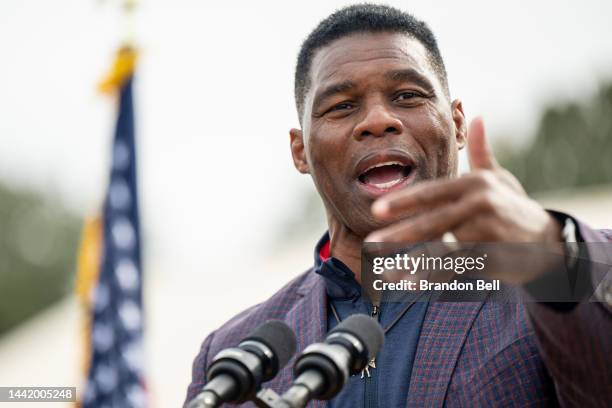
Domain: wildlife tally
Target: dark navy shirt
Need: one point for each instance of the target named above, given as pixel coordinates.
(388, 383)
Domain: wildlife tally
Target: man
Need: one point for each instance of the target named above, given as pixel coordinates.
(380, 137)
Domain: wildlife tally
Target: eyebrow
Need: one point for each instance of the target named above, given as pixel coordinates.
(410, 75)
(333, 89)
(400, 75)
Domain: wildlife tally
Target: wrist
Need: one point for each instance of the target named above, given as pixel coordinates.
(553, 230)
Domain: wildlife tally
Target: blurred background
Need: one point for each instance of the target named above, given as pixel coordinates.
(225, 219)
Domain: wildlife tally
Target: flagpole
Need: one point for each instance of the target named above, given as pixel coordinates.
(129, 20)
(110, 270)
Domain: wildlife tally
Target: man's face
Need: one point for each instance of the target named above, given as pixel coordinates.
(376, 119)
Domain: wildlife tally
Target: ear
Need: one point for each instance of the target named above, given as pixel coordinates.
(297, 151)
(460, 123)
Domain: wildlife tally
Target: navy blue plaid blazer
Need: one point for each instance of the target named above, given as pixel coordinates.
(469, 354)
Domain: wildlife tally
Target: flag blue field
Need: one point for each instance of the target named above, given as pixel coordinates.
(116, 366)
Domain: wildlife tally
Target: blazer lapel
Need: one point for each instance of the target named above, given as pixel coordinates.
(308, 318)
(443, 333)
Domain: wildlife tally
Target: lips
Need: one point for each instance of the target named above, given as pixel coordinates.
(380, 172)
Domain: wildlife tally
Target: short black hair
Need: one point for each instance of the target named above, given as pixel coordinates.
(361, 18)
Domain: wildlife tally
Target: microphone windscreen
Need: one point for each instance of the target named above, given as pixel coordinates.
(278, 337)
(366, 329)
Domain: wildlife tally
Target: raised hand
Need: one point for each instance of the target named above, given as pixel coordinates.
(486, 204)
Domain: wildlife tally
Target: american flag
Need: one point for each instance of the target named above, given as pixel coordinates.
(115, 378)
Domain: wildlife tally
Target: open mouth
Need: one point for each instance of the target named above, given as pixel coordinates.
(385, 176)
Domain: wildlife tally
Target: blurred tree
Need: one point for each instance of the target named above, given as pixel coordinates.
(38, 242)
(572, 146)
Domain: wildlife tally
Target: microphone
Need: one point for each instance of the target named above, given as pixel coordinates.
(235, 374)
(323, 369)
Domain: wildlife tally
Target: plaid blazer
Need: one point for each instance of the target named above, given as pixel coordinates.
(468, 355)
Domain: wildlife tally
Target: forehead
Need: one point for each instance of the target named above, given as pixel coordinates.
(363, 54)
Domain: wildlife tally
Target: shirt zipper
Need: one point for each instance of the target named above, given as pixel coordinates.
(371, 382)
(375, 311)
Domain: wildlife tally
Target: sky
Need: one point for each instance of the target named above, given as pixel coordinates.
(214, 101)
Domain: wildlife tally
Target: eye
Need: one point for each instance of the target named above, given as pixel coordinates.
(407, 95)
(341, 106)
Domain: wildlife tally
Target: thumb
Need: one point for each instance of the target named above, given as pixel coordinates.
(479, 151)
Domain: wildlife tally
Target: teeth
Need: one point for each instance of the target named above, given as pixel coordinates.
(390, 163)
(388, 184)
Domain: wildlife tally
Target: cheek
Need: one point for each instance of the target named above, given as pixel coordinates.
(326, 150)
(434, 132)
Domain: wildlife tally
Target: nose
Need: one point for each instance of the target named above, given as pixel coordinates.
(378, 122)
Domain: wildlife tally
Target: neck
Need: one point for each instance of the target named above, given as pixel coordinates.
(345, 246)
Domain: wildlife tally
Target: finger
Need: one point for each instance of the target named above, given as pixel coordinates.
(427, 195)
(478, 229)
(479, 152)
(429, 225)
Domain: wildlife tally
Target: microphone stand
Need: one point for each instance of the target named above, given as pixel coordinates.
(297, 396)
(210, 399)
(265, 398)
(206, 399)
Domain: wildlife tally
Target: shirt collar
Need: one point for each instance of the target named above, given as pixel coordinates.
(340, 282)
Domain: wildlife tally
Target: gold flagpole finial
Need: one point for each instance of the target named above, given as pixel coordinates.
(122, 69)
(125, 59)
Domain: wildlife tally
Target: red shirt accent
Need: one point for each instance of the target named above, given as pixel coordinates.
(324, 252)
